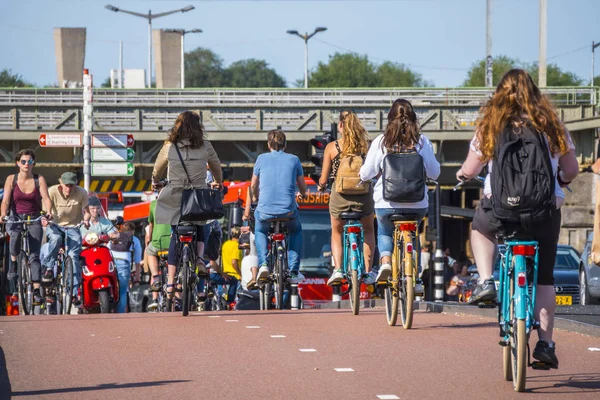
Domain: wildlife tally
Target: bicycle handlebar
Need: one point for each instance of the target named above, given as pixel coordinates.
(23, 221)
(462, 182)
(79, 225)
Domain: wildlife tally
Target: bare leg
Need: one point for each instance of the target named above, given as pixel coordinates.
(171, 279)
(368, 224)
(153, 267)
(337, 228)
(545, 306)
(484, 251)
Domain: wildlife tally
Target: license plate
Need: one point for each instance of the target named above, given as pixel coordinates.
(564, 300)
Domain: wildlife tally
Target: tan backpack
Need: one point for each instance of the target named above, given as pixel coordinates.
(347, 180)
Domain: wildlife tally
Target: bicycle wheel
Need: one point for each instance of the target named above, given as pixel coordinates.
(355, 293)
(507, 370)
(407, 292)
(265, 296)
(519, 356)
(392, 292)
(25, 293)
(279, 285)
(185, 282)
(67, 286)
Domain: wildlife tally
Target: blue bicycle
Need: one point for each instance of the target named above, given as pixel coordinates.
(518, 274)
(353, 266)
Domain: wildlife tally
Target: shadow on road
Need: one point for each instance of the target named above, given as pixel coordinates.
(4, 378)
(581, 383)
(456, 326)
(103, 386)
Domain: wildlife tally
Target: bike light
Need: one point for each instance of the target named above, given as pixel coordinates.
(409, 247)
(408, 227)
(354, 229)
(86, 271)
(91, 238)
(278, 236)
(523, 250)
(111, 266)
(521, 279)
(186, 239)
(354, 246)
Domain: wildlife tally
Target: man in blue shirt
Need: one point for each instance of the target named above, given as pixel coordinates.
(274, 181)
(98, 223)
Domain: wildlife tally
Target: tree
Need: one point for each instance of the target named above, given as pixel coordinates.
(500, 66)
(8, 79)
(106, 83)
(555, 76)
(391, 74)
(203, 68)
(344, 70)
(252, 73)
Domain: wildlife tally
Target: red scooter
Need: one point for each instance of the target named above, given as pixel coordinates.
(100, 284)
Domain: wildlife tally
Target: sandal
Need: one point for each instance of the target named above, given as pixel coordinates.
(170, 293)
(252, 284)
(155, 286)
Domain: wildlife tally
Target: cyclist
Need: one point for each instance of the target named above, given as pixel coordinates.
(188, 135)
(125, 250)
(518, 102)
(24, 193)
(354, 141)
(158, 237)
(98, 223)
(274, 180)
(69, 208)
(402, 133)
(231, 259)
(251, 256)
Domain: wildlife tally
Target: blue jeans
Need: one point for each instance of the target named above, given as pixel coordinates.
(294, 229)
(385, 227)
(55, 241)
(123, 273)
(233, 285)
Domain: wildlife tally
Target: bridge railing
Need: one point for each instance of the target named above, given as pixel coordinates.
(281, 98)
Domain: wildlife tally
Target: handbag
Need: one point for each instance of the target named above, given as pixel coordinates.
(199, 204)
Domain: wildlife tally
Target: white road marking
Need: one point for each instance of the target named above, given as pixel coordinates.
(214, 316)
(232, 320)
(594, 349)
(253, 327)
(277, 336)
(344, 369)
(308, 350)
(388, 397)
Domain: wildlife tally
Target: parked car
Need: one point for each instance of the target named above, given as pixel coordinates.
(589, 275)
(566, 274)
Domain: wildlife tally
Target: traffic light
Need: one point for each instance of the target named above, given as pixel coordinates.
(320, 142)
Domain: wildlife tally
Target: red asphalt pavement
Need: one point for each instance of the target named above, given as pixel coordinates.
(232, 355)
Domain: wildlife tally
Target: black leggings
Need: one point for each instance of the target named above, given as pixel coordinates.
(172, 258)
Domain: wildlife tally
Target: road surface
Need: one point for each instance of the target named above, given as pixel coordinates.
(308, 354)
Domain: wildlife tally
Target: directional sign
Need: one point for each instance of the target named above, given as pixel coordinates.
(112, 140)
(113, 169)
(60, 140)
(108, 154)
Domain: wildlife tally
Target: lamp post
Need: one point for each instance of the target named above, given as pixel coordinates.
(183, 32)
(149, 17)
(594, 45)
(306, 37)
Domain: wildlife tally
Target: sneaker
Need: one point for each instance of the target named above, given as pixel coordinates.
(48, 275)
(178, 306)
(201, 267)
(251, 285)
(546, 353)
(153, 306)
(484, 292)
(418, 288)
(296, 277)
(12, 271)
(384, 273)
(336, 277)
(369, 278)
(37, 297)
(263, 273)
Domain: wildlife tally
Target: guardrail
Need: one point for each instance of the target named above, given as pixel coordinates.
(281, 98)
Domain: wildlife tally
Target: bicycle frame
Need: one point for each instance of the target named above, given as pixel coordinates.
(353, 240)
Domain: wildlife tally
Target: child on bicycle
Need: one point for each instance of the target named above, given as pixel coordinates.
(518, 104)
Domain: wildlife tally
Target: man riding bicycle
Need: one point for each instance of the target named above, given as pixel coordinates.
(69, 208)
(274, 181)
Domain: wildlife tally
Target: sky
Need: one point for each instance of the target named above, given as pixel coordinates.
(440, 39)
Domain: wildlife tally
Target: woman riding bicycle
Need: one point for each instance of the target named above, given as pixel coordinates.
(187, 136)
(402, 134)
(24, 195)
(518, 103)
(354, 141)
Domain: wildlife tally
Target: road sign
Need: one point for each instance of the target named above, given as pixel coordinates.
(60, 140)
(112, 169)
(112, 140)
(109, 154)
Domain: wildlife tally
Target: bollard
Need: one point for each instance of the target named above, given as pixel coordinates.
(294, 299)
(336, 293)
(439, 275)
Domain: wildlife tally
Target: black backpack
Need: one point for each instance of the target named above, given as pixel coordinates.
(522, 178)
(403, 177)
(123, 243)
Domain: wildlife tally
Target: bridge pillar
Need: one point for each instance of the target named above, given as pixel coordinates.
(69, 49)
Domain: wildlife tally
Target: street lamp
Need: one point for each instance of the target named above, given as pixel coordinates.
(594, 45)
(305, 37)
(149, 17)
(183, 32)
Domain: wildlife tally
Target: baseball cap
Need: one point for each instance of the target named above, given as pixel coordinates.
(69, 178)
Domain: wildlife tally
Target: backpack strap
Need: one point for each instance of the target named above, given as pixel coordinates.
(337, 146)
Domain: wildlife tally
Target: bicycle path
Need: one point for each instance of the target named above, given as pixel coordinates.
(307, 354)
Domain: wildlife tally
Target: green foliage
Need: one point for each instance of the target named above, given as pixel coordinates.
(391, 74)
(10, 80)
(252, 73)
(203, 68)
(106, 83)
(556, 76)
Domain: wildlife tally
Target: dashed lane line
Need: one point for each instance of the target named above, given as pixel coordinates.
(277, 336)
(253, 327)
(388, 397)
(308, 350)
(344, 369)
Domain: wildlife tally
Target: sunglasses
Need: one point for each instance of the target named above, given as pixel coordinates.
(30, 162)
(345, 113)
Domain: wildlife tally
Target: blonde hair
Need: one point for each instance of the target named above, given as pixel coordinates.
(356, 138)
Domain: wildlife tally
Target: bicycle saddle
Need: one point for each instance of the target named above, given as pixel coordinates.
(351, 216)
(405, 217)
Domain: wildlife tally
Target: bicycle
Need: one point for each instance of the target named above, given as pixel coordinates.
(185, 276)
(278, 266)
(24, 282)
(353, 267)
